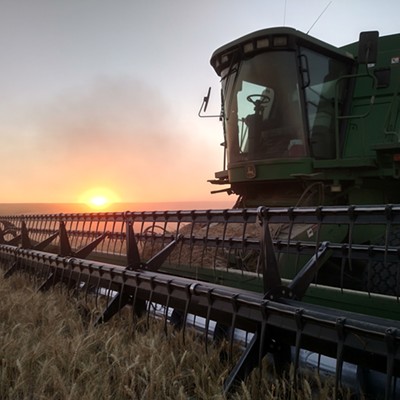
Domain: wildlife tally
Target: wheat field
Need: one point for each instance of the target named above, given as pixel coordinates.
(49, 349)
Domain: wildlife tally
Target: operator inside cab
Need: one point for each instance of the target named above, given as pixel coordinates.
(269, 134)
(263, 109)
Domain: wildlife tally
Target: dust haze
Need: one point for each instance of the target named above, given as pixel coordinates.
(116, 132)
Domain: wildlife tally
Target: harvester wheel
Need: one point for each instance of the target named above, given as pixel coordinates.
(384, 277)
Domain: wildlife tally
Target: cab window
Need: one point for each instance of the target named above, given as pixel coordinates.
(262, 109)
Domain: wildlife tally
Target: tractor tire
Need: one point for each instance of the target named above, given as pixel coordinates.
(384, 278)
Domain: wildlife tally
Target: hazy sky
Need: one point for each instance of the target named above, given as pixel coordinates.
(98, 93)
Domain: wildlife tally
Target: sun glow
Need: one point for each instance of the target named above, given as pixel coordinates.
(99, 198)
(99, 201)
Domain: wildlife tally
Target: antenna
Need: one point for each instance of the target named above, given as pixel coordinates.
(284, 14)
(320, 15)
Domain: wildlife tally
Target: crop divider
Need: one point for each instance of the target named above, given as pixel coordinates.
(134, 263)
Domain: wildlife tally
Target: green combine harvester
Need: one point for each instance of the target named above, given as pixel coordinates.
(307, 262)
(308, 124)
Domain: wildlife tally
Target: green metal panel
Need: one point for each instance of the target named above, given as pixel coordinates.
(270, 170)
(375, 101)
(360, 302)
(348, 300)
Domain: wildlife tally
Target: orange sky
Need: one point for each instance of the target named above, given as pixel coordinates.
(95, 95)
(118, 136)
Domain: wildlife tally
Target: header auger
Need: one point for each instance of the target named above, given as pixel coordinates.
(308, 260)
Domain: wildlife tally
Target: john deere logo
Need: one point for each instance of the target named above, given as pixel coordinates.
(251, 171)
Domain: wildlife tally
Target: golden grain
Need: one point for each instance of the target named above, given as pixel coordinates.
(50, 350)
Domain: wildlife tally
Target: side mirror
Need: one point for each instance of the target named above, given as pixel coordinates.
(204, 104)
(368, 47)
(203, 107)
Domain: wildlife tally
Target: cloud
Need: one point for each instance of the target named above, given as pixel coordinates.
(110, 114)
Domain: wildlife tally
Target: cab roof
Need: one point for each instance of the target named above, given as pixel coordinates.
(294, 38)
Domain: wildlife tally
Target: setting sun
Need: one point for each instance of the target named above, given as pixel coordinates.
(99, 201)
(99, 198)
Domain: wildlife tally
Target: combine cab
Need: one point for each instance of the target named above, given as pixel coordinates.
(306, 123)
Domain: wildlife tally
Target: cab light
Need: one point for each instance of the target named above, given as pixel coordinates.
(248, 47)
(396, 157)
(262, 43)
(280, 41)
(224, 59)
